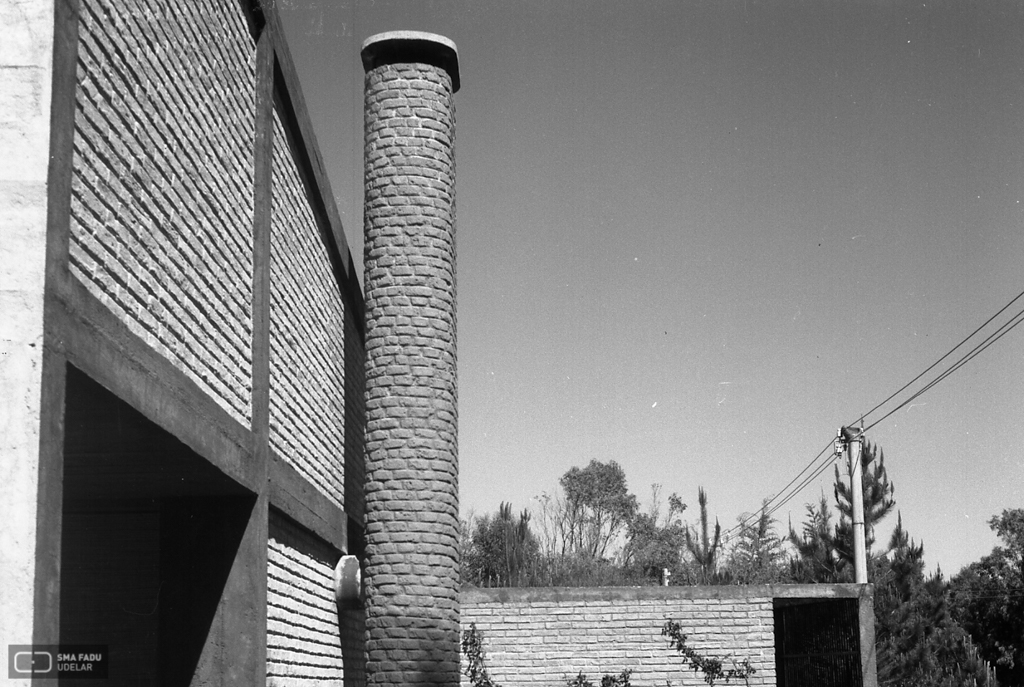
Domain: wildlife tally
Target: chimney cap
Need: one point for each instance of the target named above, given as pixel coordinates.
(391, 47)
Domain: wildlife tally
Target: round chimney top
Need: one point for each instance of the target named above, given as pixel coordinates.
(412, 46)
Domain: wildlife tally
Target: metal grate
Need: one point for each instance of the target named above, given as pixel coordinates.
(817, 644)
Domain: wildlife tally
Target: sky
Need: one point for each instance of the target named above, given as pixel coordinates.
(696, 238)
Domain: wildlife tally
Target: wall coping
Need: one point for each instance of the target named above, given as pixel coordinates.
(518, 595)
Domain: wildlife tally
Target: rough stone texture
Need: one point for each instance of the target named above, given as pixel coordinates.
(547, 636)
(307, 335)
(412, 565)
(26, 54)
(162, 201)
(302, 617)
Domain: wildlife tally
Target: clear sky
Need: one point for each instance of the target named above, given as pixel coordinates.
(697, 237)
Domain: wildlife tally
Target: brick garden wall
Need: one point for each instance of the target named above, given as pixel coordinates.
(545, 636)
(162, 201)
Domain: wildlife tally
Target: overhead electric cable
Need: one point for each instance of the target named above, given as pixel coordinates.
(779, 493)
(970, 355)
(810, 478)
(946, 355)
(1004, 329)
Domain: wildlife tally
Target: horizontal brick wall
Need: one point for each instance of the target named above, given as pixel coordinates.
(303, 637)
(162, 200)
(547, 636)
(307, 334)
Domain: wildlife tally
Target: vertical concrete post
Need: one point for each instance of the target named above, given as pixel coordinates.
(26, 80)
(412, 519)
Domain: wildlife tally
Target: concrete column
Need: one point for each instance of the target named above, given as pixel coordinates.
(26, 76)
(412, 513)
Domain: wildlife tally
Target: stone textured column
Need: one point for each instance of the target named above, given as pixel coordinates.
(412, 513)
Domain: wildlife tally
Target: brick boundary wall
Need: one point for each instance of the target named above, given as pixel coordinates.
(546, 636)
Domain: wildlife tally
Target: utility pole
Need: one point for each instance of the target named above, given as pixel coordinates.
(851, 439)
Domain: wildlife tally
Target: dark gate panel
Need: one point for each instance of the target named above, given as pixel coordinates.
(817, 643)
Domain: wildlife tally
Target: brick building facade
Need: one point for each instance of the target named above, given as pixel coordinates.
(185, 347)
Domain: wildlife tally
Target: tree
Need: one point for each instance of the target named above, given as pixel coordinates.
(919, 644)
(654, 544)
(816, 559)
(878, 501)
(987, 598)
(702, 547)
(757, 556)
(598, 508)
(503, 549)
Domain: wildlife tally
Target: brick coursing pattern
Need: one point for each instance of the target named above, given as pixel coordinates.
(411, 447)
(355, 419)
(302, 618)
(547, 636)
(307, 334)
(162, 202)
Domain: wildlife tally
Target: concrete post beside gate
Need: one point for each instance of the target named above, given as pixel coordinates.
(412, 514)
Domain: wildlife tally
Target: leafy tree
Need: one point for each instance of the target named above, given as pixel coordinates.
(878, 501)
(987, 598)
(702, 547)
(654, 544)
(757, 557)
(503, 549)
(598, 508)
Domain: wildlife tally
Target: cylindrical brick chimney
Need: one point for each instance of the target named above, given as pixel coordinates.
(412, 503)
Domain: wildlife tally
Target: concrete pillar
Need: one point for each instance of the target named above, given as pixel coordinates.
(412, 513)
(26, 77)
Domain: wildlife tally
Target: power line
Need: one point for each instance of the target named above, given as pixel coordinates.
(824, 466)
(970, 355)
(743, 523)
(790, 495)
(1004, 329)
(946, 355)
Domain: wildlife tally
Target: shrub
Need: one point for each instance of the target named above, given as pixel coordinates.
(473, 648)
(713, 668)
(620, 680)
